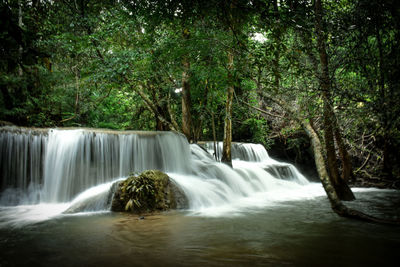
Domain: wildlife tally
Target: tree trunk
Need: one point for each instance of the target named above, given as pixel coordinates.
(320, 163)
(341, 187)
(227, 142)
(186, 99)
(20, 49)
(161, 121)
(171, 112)
(337, 205)
(197, 130)
(214, 137)
(347, 172)
(277, 36)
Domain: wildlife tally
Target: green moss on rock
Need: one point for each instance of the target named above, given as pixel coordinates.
(150, 191)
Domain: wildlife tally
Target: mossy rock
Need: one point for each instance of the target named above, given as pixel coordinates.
(150, 191)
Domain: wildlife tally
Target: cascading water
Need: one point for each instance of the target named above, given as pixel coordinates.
(215, 188)
(60, 164)
(78, 159)
(21, 164)
(255, 155)
(240, 151)
(55, 166)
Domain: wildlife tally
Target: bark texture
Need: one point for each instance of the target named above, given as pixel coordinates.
(227, 142)
(186, 99)
(347, 169)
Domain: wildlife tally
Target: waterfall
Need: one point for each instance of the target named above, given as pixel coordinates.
(240, 151)
(214, 184)
(255, 155)
(57, 165)
(21, 164)
(79, 166)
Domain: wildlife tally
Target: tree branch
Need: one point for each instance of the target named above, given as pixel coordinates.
(262, 111)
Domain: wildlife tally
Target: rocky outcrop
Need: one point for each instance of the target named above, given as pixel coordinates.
(150, 191)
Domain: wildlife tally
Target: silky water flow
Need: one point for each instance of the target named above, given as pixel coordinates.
(56, 187)
(42, 167)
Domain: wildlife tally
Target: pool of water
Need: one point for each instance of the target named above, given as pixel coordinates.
(296, 232)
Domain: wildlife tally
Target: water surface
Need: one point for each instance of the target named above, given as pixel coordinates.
(301, 232)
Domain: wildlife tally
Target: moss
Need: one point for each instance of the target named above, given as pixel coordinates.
(150, 191)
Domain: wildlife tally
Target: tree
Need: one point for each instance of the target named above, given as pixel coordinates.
(232, 19)
(340, 185)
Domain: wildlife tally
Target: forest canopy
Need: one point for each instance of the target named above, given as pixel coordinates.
(268, 68)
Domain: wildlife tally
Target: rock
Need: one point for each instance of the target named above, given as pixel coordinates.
(150, 191)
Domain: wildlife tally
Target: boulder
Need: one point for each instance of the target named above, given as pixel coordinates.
(150, 191)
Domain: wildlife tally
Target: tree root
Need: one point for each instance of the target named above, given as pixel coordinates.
(346, 212)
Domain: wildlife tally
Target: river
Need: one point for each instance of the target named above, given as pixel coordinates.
(303, 232)
(260, 212)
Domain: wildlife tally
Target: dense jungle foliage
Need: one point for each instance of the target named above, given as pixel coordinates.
(193, 66)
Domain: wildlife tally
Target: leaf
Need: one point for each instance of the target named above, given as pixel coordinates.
(137, 203)
(129, 205)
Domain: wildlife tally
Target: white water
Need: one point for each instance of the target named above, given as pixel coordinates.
(73, 170)
(55, 166)
(215, 189)
(241, 151)
(254, 156)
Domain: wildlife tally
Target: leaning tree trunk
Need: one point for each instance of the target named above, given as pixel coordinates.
(342, 189)
(161, 120)
(337, 205)
(227, 142)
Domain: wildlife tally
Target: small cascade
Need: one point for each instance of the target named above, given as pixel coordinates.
(240, 151)
(214, 184)
(247, 154)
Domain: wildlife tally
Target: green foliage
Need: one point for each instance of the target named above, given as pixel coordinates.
(257, 131)
(141, 193)
(147, 192)
(93, 63)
